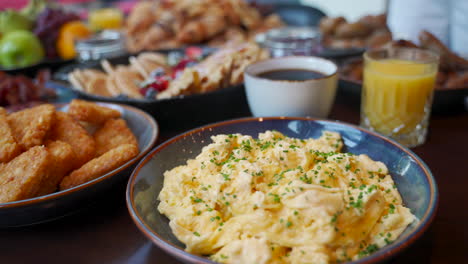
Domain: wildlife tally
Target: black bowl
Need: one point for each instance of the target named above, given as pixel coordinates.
(183, 112)
(58, 204)
(179, 112)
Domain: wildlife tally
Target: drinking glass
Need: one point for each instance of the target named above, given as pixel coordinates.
(397, 93)
(291, 41)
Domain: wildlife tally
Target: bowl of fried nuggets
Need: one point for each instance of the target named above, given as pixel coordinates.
(56, 159)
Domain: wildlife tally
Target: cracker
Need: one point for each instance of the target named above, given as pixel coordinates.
(30, 126)
(157, 58)
(108, 68)
(126, 81)
(91, 112)
(98, 86)
(68, 130)
(75, 80)
(113, 133)
(99, 166)
(112, 87)
(21, 177)
(91, 73)
(183, 84)
(138, 67)
(151, 61)
(8, 146)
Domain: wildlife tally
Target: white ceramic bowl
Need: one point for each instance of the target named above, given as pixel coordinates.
(312, 97)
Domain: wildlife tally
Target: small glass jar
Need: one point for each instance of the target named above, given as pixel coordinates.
(107, 44)
(290, 41)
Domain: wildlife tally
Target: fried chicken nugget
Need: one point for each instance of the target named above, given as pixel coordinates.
(91, 112)
(68, 130)
(31, 125)
(113, 133)
(21, 177)
(99, 166)
(63, 160)
(8, 146)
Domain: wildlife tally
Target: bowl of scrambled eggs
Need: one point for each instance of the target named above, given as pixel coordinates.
(281, 190)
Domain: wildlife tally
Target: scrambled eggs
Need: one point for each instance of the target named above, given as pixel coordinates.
(278, 199)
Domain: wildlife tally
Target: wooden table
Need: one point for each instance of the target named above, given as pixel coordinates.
(105, 233)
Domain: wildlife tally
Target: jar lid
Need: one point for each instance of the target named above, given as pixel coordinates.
(290, 37)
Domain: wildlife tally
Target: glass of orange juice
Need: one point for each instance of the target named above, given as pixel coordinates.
(105, 18)
(397, 93)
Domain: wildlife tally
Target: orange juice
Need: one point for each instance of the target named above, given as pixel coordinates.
(106, 18)
(397, 93)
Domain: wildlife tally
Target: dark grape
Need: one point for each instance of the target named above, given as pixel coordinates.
(19, 90)
(47, 28)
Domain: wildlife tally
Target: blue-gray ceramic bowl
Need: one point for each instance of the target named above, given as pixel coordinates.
(412, 177)
(55, 205)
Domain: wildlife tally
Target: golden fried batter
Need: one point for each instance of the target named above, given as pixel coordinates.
(63, 160)
(30, 126)
(91, 112)
(68, 130)
(8, 146)
(113, 134)
(99, 166)
(21, 177)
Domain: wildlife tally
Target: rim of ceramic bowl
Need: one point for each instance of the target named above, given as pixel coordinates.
(155, 133)
(248, 69)
(382, 254)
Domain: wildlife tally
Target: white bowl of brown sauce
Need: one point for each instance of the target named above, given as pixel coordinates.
(291, 86)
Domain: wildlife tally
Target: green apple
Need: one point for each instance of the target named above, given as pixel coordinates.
(20, 49)
(11, 20)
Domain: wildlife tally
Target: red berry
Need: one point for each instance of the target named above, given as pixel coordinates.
(184, 63)
(144, 90)
(160, 84)
(176, 73)
(193, 52)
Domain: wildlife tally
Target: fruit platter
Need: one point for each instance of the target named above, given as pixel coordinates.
(41, 33)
